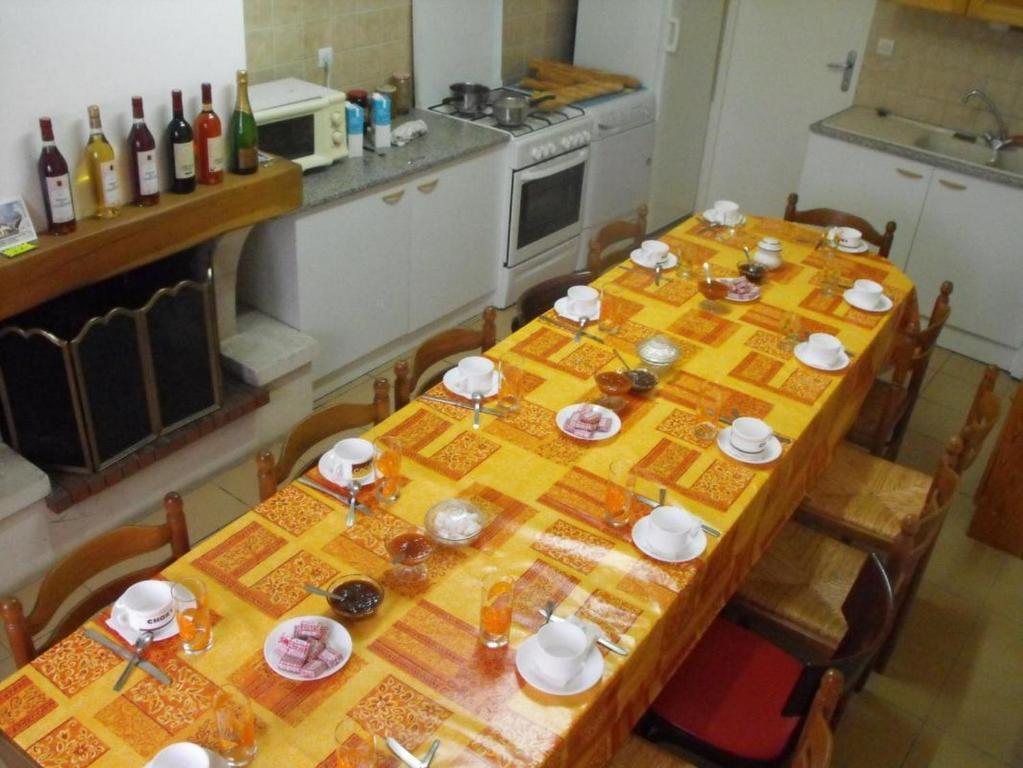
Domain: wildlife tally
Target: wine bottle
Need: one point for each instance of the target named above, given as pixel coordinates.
(102, 169)
(145, 178)
(181, 148)
(56, 184)
(243, 130)
(209, 143)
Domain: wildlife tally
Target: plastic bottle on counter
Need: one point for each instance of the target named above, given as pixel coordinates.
(381, 122)
(355, 118)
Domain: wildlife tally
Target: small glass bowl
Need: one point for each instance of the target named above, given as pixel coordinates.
(642, 380)
(360, 607)
(752, 271)
(613, 383)
(658, 352)
(454, 522)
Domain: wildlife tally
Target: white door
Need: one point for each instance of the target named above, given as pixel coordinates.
(774, 81)
(618, 178)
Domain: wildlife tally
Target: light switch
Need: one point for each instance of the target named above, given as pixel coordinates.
(885, 46)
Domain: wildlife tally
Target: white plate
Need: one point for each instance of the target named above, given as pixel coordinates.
(216, 761)
(710, 217)
(586, 678)
(739, 299)
(802, 352)
(337, 638)
(325, 470)
(863, 247)
(167, 631)
(453, 384)
(561, 307)
(639, 257)
(852, 297)
(766, 456)
(641, 537)
(565, 413)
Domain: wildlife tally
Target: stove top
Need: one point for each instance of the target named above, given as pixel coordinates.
(536, 120)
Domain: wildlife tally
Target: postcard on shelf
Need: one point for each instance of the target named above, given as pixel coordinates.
(17, 235)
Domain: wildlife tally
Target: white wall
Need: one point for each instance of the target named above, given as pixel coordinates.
(59, 56)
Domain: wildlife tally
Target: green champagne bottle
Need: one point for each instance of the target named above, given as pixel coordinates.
(245, 155)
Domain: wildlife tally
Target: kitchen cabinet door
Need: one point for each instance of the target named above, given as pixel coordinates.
(970, 233)
(1005, 11)
(353, 276)
(455, 227)
(873, 185)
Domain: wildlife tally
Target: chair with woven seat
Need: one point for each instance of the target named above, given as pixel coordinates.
(829, 217)
(884, 416)
(614, 242)
(88, 560)
(541, 297)
(637, 752)
(435, 349)
(316, 427)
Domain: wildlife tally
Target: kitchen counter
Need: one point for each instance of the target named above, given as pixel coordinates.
(902, 136)
(446, 140)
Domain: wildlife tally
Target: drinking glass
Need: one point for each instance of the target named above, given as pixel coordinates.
(235, 726)
(191, 603)
(387, 466)
(513, 375)
(619, 493)
(611, 309)
(497, 591)
(708, 408)
(790, 330)
(355, 747)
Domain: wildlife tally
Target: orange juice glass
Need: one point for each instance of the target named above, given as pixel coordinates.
(612, 309)
(195, 627)
(497, 592)
(387, 463)
(355, 748)
(619, 492)
(513, 375)
(235, 726)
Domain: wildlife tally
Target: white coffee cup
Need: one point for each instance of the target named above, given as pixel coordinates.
(583, 300)
(824, 348)
(184, 754)
(726, 212)
(351, 457)
(654, 251)
(672, 529)
(849, 237)
(145, 605)
(750, 435)
(563, 648)
(476, 373)
(870, 291)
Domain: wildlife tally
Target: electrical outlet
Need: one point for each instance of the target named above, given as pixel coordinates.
(885, 46)
(325, 57)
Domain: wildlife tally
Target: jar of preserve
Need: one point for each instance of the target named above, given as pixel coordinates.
(403, 92)
(360, 97)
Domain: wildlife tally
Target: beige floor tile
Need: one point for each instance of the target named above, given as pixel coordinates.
(209, 508)
(1006, 594)
(241, 482)
(1006, 386)
(920, 452)
(954, 393)
(959, 564)
(27, 596)
(874, 733)
(6, 666)
(935, 420)
(358, 391)
(963, 368)
(938, 358)
(936, 749)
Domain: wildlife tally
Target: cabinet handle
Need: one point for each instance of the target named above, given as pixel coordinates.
(908, 174)
(394, 197)
(428, 187)
(952, 185)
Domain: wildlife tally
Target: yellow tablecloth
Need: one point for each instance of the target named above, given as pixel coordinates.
(418, 671)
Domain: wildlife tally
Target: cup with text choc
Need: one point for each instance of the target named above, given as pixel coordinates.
(497, 596)
(192, 606)
(236, 726)
(513, 375)
(387, 452)
(619, 492)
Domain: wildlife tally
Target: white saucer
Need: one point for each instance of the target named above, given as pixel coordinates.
(766, 456)
(802, 353)
(453, 384)
(216, 761)
(561, 307)
(167, 631)
(863, 247)
(755, 296)
(342, 482)
(337, 638)
(710, 217)
(639, 257)
(641, 537)
(565, 413)
(852, 297)
(586, 678)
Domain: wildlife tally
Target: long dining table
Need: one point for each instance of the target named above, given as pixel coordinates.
(418, 671)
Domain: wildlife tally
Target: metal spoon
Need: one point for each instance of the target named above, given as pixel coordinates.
(431, 753)
(624, 361)
(477, 405)
(314, 590)
(582, 326)
(141, 642)
(353, 489)
(657, 270)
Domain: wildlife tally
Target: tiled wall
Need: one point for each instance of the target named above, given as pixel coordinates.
(938, 57)
(371, 39)
(536, 29)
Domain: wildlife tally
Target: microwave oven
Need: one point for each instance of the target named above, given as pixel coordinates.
(301, 121)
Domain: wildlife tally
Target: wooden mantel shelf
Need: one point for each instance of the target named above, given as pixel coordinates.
(100, 249)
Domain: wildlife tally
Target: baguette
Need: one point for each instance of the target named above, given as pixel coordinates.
(557, 71)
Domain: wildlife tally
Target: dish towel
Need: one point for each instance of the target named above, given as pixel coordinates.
(404, 133)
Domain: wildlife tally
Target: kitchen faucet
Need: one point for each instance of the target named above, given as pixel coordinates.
(1002, 139)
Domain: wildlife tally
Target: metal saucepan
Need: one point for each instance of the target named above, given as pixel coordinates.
(469, 98)
(512, 110)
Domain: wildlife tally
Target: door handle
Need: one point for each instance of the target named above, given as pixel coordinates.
(428, 187)
(846, 68)
(675, 27)
(908, 174)
(952, 185)
(394, 197)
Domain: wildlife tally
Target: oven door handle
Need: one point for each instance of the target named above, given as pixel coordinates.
(557, 165)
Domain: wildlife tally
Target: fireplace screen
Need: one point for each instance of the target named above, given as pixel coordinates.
(96, 374)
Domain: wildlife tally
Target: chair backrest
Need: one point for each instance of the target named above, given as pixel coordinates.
(829, 217)
(88, 560)
(316, 427)
(435, 349)
(816, 741)
(541, 297)
(981, 419)
(603, 254)
(926, 339)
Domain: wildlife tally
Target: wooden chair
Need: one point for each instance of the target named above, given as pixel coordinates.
(884, 417)
(435, 349)
(829, 217)
(816, 741)
(88, 560)
(603, 253)
(541, 297)
(637, 752)
(316, 427)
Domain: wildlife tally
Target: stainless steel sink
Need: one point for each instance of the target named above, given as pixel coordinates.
(976, 152)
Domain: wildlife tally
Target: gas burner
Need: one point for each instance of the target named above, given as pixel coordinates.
(536, 120)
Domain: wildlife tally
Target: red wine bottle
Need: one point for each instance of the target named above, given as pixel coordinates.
(182, 151)
(209, 143)
(56, 184)
(145, 178)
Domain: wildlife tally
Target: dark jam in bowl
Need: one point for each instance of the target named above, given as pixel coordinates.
(355, 597)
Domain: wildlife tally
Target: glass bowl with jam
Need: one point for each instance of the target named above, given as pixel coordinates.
(355, 596)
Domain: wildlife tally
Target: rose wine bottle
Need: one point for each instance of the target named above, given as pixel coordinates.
(209, 143)
(145, 178)
(102, 169)
(182, 151)
(56, 184)
(243, 130)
